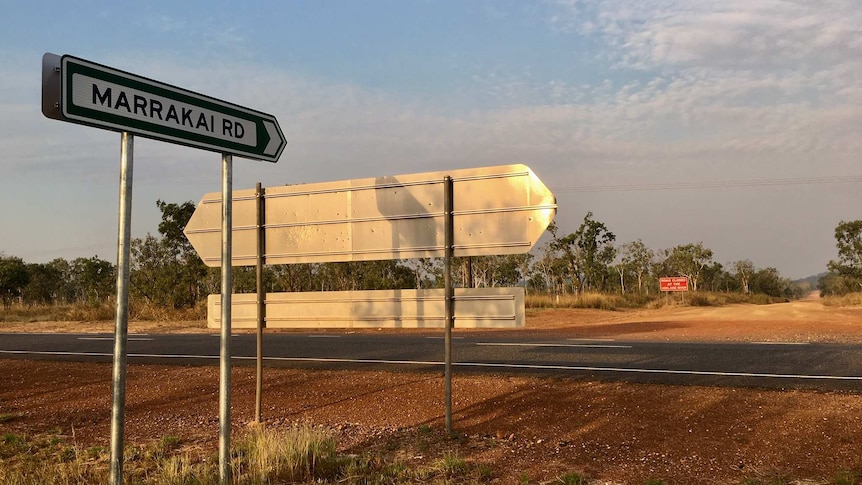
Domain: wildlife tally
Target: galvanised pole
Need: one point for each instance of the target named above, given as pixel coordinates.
(261, 302)
(449, 235)
(121, 326)
(226, 283)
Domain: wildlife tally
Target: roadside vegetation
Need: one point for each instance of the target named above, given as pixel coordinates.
(583, 269)
(301, 454)
(604, 301)
(848, 300)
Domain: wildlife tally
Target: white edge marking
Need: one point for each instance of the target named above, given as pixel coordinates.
(130, 339)
(780, 343)
(578, 346)
(490, 365)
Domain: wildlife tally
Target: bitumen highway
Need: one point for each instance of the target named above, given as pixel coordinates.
(788, 365)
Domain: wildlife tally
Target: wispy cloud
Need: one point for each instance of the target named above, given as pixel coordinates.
(732, 34)
(165, 23)
(774, 77)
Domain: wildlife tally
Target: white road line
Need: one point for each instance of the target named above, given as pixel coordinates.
(130, 339)
(591, 339)
(346, 361)
(457, 364)
(62, 354)
(577, 346)
(36, 334)
(662, 371)
(781, 343)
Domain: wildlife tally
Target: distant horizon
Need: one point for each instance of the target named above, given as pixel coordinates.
(535, 250)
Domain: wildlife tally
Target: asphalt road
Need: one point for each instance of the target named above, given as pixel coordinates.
(774, 365)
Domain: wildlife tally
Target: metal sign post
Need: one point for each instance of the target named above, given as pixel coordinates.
(224, 354)
(448, 302)
(261, 299)
(121, 327)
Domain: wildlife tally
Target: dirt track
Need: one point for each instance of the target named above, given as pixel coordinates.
(799, 321)
(539, 428)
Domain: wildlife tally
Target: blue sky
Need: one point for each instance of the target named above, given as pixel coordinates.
(747, 114)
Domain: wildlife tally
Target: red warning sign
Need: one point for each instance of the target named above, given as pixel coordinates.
(676, 283)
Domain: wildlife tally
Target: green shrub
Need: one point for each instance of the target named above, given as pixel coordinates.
(6, 417)
(699, 299)
(451, 464)
(571, 478)
(847, 477)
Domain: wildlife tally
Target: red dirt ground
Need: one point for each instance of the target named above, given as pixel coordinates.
(539, 428)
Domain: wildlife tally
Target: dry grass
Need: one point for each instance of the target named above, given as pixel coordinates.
(295, 453)
(146, 311)
(35, 313)
(298, 454)
(97, 312)
(710, 298)
(599, 301)
(848, 300)
(604, 301)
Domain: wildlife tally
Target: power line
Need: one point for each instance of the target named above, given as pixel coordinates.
(717, 184)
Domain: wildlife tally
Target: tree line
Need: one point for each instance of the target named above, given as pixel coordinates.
(167, 272)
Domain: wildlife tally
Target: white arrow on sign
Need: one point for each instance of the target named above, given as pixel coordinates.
(497, 210)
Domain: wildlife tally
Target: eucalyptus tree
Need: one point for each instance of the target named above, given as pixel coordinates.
(547, 275)
(595, 243)
(638, 259)
(743, 270)
(848, 240)
(93, 279)
(588, 252)
(166, 270)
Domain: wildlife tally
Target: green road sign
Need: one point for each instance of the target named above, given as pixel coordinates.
(84, 92)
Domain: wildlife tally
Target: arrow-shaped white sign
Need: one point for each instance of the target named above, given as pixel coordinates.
(497, 210)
